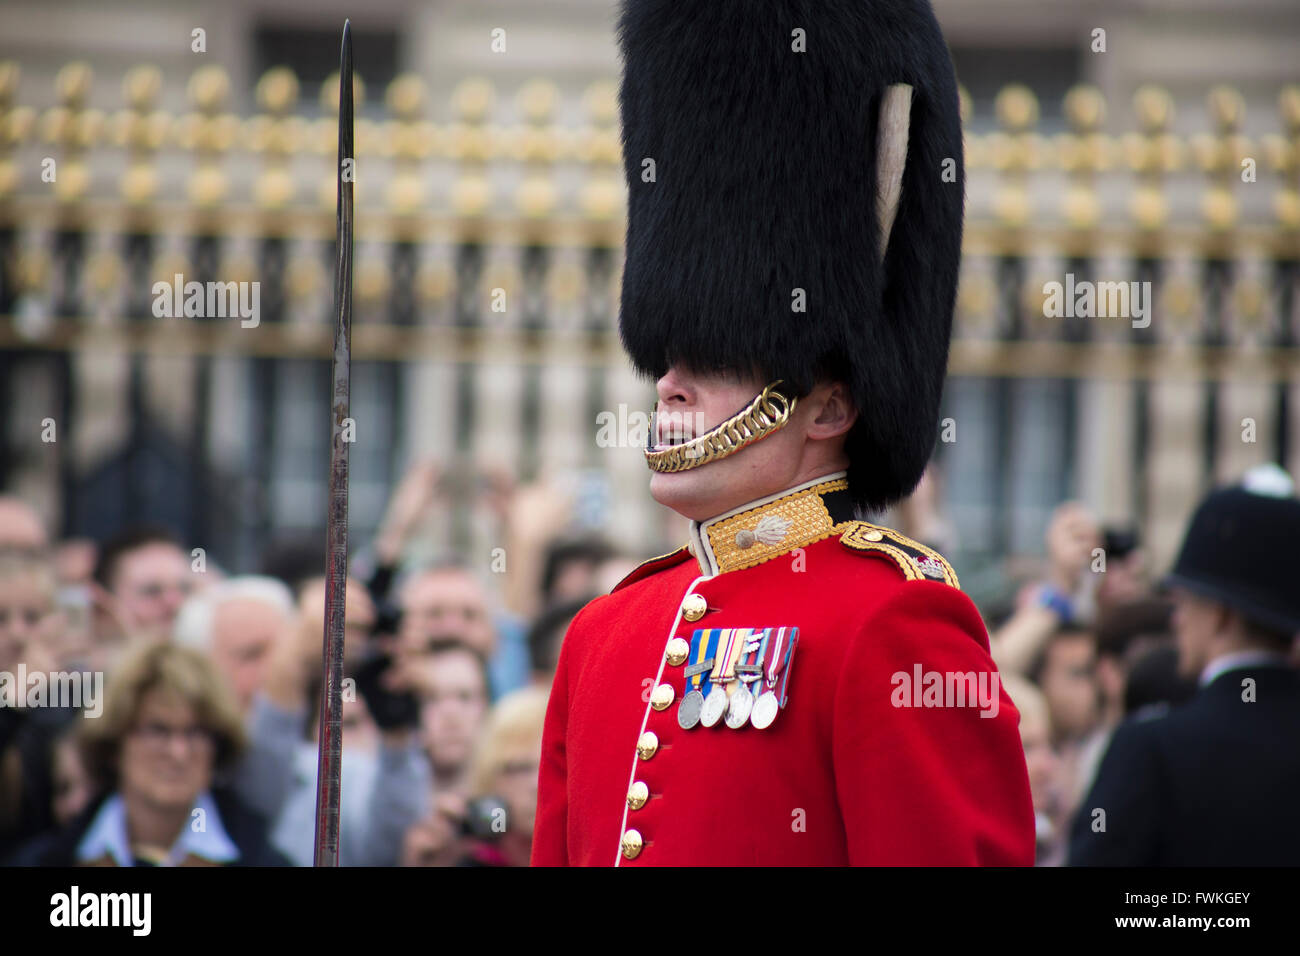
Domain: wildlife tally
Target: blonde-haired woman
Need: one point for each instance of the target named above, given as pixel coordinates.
(168, 732)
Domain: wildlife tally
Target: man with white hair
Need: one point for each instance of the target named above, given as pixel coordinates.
(237, 623)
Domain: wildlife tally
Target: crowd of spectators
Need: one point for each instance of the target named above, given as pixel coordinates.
(1102, 641)
(205, 746)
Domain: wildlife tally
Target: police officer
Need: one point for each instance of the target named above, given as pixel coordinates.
(794, 685)
(1213, 782)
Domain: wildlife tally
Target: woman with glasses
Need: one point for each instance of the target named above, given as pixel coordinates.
(168, 734)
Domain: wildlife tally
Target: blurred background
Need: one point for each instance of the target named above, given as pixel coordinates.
(1140, 140)
(482, 170)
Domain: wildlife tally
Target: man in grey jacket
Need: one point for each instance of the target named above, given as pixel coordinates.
(386, 788)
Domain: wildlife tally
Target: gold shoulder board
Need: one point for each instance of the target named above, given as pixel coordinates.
(915, 560)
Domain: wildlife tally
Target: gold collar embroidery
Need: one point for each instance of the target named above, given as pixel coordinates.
(768, 528)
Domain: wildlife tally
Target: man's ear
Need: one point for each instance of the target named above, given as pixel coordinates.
(833, 412)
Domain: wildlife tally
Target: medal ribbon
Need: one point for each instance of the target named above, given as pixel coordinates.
(777, 652)
(703, 644)
(759, 655)
(791, 640)
(724, 665)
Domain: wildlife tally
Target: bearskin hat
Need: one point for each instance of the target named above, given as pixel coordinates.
(750, 137)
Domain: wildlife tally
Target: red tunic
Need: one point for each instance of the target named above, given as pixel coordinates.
(856, 769)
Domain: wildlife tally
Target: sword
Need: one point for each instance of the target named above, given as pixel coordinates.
(329, 761)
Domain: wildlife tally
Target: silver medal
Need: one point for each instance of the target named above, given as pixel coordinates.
(688, 711)
(715, 705)
(764, 711)
(742, 702)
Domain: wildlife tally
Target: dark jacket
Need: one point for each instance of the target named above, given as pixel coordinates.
(1212, 783)
(30, 735)
(245, 828)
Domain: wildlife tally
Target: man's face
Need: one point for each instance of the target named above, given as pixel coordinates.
(243, 634)
(149, 586)
(453, 705)
(446, 603)
(1069, 684)
(75, 561)
(1123, 580)
(167, 758)
(20, 528)
(690, 404)
(1195, 623)
(28, 618)
(358, 620)
(573, 580)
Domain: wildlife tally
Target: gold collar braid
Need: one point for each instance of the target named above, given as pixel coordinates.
(769, 411)
(773, 526)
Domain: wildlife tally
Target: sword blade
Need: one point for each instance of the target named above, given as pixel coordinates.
(329, 760)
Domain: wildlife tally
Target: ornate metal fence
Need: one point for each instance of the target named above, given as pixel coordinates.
(1127, 325)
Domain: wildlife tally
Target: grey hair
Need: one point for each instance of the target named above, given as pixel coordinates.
(194, 621)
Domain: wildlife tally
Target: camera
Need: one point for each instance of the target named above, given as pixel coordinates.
(485, 819)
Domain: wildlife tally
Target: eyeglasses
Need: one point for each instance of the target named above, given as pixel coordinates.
(157, 589)
(158, 736)
(462, 698)
(29, 617)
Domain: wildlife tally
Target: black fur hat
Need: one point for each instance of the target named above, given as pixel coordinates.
(751, 170)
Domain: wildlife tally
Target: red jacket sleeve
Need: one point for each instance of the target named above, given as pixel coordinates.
(550, 826)
(928, 785)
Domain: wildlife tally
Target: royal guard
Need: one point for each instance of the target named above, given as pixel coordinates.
(795, 686)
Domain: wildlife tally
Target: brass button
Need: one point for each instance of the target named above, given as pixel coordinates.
(662, 696)
(647, 744)
(873, 535)
(693, 607)
(632, 844)
(638, 795)
(678, 650)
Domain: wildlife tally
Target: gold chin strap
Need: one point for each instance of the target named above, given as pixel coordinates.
(769, 411)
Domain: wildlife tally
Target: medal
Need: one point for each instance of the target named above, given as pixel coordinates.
(688, 711)
(777, 651)
(701, 657)
(764, 710)
(715, 705)
(742, 701)
(730, 646)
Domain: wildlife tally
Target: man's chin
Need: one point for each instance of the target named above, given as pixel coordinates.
(691, 494)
